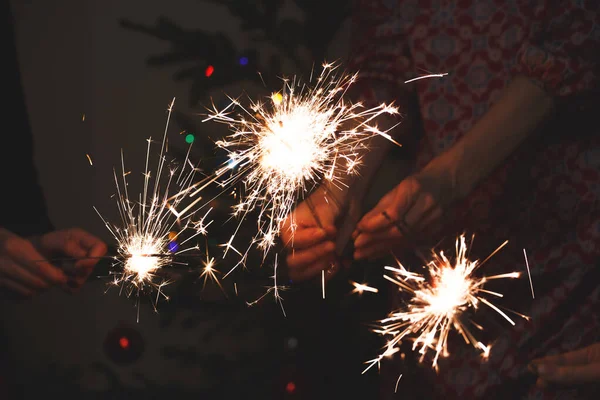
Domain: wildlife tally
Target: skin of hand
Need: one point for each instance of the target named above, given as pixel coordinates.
(23, 265)
(418, 202)
(574, 368)
(311, 248)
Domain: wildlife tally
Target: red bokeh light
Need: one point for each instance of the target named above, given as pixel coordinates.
(290, 387)
(124, 342)
(209, 71)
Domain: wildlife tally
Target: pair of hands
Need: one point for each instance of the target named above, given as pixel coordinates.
(574, 368)
(418, 201)
(24, 265)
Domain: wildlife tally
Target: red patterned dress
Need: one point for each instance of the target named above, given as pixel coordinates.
(544, 198)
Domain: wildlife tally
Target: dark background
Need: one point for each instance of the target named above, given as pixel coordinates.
(119, 64)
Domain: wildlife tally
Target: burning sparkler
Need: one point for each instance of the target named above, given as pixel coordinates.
(151, 234)
(281, 149)
(438, 304)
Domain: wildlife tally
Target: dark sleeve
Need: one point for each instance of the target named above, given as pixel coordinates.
(22, 205)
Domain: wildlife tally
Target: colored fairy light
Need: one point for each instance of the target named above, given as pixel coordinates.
(290, 387)
(209, 71)
(124, 342)
(173, 246)
(243, 60)
(189, 138)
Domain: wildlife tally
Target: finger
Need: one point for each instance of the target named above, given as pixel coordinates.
(395, 203)
(368, 239)
(307, 257)
(16, 287)
(374, 222)
(44, 269)
(586, 355)
(64, 242)
(375, 251)
(569, 374)
(85, 266)
(24, 254)
(303, 274)
(94, 246)
(303, 238)
(17, 273)
(70, 247)
(422, 213)
(304, 217)
(374, 219)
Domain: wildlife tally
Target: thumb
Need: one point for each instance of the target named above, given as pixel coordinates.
(569, 375)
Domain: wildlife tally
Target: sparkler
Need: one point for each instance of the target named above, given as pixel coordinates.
(150, 236)
(439, 304)
(281, 149)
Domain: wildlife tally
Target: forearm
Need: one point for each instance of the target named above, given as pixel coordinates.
(520, 111)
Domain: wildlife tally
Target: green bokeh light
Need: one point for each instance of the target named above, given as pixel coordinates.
(189, 138)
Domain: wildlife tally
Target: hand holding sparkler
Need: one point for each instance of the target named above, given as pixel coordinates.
(418, 203)
(576, 367)
(309, 233)
(302, 137)
(25, 271)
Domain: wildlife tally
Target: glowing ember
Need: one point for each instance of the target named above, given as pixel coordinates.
(139, 261)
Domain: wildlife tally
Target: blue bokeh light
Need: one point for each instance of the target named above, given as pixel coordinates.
(173, 247)
(243, 60)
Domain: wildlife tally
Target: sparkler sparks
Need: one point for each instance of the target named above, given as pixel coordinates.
(281, 149)
(438, 304)
(360, 288)
(276, 289)
(151, 233)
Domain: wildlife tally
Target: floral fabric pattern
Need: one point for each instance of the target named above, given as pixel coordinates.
(544, 199)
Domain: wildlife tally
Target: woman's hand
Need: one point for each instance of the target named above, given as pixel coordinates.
(24, 268)
(311, 242)
(76, 243)
(574, 368)
(417, 203)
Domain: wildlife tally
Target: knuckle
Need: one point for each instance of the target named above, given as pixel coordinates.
(415, 184)
(10, 244)
(429, 199)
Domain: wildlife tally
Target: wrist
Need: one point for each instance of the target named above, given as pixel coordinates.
(445, 170)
